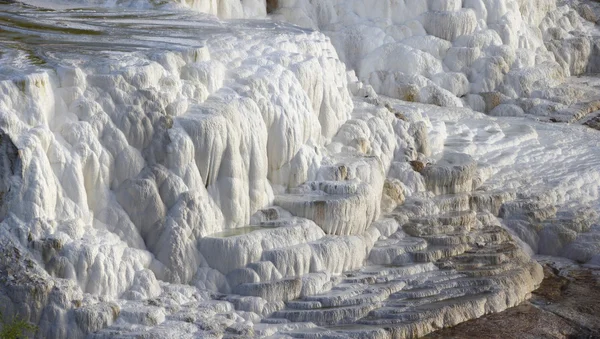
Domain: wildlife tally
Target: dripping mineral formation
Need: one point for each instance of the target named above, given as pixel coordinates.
(291, 168)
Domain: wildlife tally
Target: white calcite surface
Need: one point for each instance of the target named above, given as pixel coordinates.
(168, 172)
(452, 53)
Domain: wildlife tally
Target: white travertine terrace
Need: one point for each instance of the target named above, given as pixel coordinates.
(437, 50)
(180, 174)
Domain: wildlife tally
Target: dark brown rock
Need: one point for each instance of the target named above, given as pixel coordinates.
(417, 165)
(272, 5)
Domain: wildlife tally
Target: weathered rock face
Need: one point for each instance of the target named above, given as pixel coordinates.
(28, 292)
(10, 170)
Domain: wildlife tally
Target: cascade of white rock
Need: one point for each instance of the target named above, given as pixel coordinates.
(450, 53)
(169, 173)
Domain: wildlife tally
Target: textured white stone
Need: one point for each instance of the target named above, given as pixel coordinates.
(219, 178)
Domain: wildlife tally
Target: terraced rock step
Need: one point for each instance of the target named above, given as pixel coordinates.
(285, 289)
(347, 199)
(234, 249)
(451, 268)
(296, 270)
(565, 304)
(395, 250)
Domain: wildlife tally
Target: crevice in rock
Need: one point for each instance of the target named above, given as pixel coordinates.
(272, 6)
